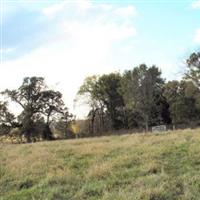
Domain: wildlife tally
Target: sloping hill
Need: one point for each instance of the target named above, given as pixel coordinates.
(149, 167)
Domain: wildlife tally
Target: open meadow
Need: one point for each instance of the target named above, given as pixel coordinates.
(150, 167)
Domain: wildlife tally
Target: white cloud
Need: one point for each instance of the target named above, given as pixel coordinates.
(196, 4)
(80, 6)
(83, 5)
(95, 35)
(79, 48)
(126, 11)
(6, 50)
(52, 10)
(197, 36)
(106, 7)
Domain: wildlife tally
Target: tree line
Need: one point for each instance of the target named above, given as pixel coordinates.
(136, 99)
(140, 98)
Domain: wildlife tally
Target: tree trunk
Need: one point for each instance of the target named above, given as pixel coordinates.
(47, 134)
(92, 122)
(92, 126)
(20, 138)
(102, 118)
(28, 137)
(146, 124)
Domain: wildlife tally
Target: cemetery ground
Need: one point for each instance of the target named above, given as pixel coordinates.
(162, 166)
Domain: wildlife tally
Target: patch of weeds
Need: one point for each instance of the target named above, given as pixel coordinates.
(25, 184)
(79, 164)
(176, 161)
(91, 190)
(112, 154)
(2, 172)
(128, 163)
(176, 187)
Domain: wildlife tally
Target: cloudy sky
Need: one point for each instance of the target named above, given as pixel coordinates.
(65, 41)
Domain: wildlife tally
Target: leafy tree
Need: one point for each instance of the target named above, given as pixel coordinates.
(193, 72)
(108, 93)
(63, 124)
(7, 119)
(39, 105)
(105, 101)
(90, 90)
(141, 89)
(183, 98)
(28, 97)
(51, 105)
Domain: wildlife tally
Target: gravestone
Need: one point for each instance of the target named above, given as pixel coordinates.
(158, 129)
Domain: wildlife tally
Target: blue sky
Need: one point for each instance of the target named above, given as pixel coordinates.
(65, 41)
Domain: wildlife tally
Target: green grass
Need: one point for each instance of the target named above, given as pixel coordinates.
(148, 167)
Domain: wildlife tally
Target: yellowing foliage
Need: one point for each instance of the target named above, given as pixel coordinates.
(75, 128)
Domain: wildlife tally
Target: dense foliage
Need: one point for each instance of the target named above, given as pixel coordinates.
(135, 99)
(140, 98)
(40, 107)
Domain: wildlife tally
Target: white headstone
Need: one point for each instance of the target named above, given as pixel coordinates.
(157, 129)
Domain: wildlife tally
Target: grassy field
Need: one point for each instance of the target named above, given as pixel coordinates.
(148, 167)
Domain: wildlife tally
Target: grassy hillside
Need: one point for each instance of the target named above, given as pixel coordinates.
(149, 167)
